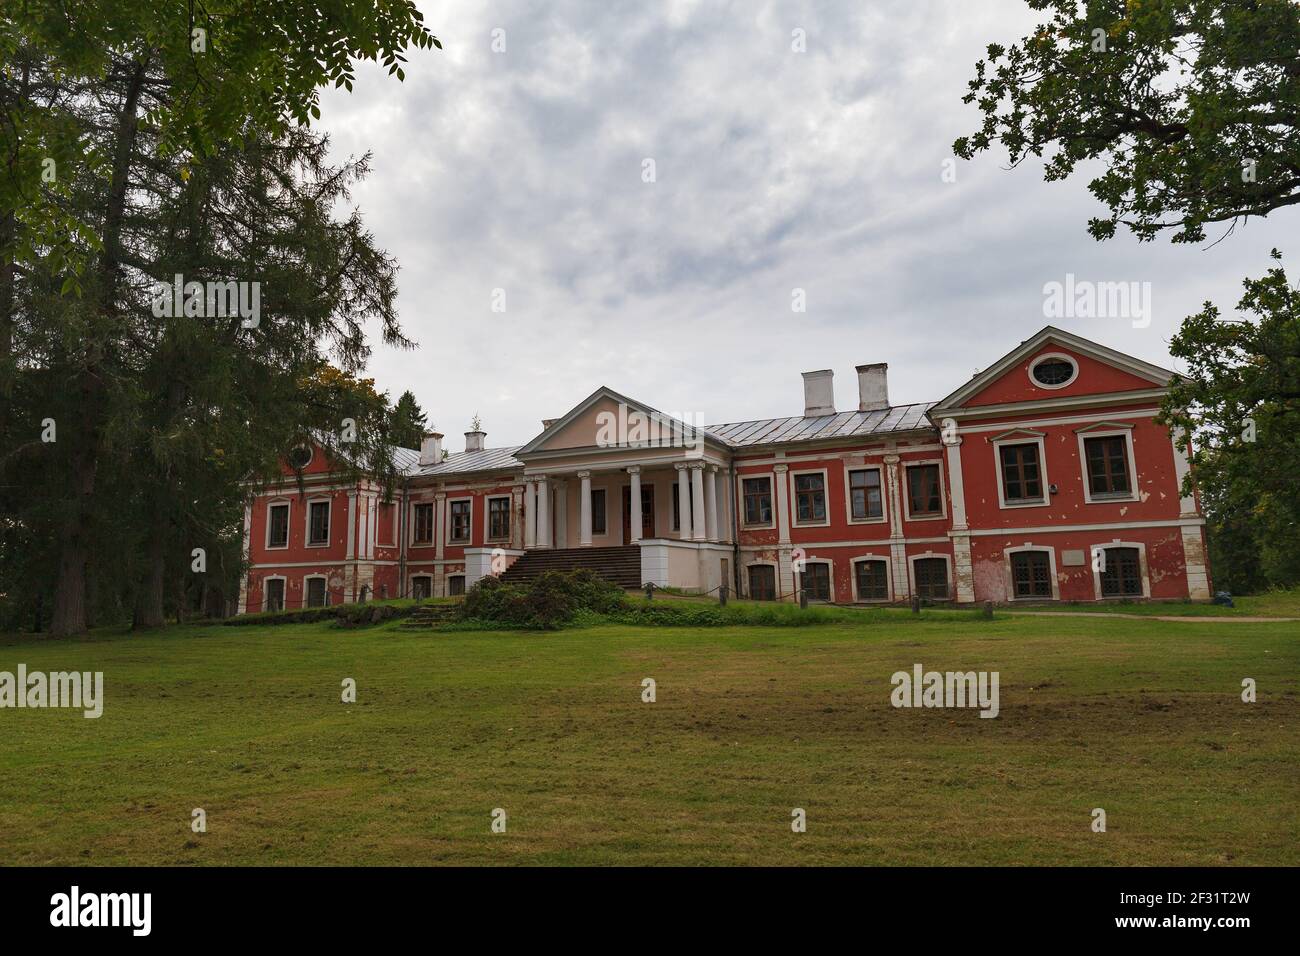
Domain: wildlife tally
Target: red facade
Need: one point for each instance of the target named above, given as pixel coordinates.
(1046, 477)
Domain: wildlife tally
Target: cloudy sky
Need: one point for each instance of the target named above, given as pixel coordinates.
(523, 170)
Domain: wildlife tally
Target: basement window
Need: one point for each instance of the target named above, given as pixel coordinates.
(1031, 574)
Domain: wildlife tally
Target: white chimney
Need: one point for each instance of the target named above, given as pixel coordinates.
(818, 393)
(474, 440)
(873, 387)
(431, 448)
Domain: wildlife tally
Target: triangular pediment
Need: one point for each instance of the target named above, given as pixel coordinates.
(607, 419)
(1099, 370)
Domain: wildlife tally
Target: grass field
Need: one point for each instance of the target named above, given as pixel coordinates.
(1142, 718)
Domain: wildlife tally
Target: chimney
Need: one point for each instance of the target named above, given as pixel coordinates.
(873, 387)
(431, 448)
(818, 393)
(474, 440)
(548, 422)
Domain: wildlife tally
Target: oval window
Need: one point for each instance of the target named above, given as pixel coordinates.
(1053, 371)
(300, 457)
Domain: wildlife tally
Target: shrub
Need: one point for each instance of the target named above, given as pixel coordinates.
(548, 602)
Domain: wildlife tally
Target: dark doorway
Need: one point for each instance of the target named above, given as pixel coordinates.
(647, 512)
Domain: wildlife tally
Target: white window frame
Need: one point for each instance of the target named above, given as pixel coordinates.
(1108, 430)
(740, 501)
(315, 577)
(907, 490)
(433, 523)
(889, 578)
(884, 494)
(487, 517)
(288, 524)
(1011, 578)
(1023, 437)
(284, 592)
(459, 542)
(1039, 359)
(791, 475)
(329, 522)
(911, 572)
(776, 578)
(1142, 569)
(830, 578)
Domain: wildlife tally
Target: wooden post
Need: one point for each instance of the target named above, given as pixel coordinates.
(916, 604)
(988, 610)
(650, 591)
(722, 594)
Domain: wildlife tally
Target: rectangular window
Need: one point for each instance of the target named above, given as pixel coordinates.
(456, 585)
(809, 498)
(762, 582)
(424, 524)
(1121, 573)
(421, 587)
(319, 523)
(1031, 574)
(873, 583)
(931, 578)
(816, 580)
(498, 518)
(386, 524)
(275, 594)
(1021, 479)
(865, 499)
(1107, 460)
(278, 536)
(923, 491)
(758, 500)
(316, 592)
(597, 510)
(459, 521)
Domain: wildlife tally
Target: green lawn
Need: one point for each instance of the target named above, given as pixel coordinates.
(1268, 604)
(1140, 717)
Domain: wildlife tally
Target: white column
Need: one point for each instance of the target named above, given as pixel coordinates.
(543, 513)
(785, 567)
(634, 502)
(441, 536)
(711, 504)
(683, 503)
(697, 493)
(516, 500)
(530, 515)
(584, 510)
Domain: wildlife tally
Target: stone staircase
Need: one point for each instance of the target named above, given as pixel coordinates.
(431, 615)
(618, 565)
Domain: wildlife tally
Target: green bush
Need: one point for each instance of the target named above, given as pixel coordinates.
(344, 615)
(693, 614)
(548, 602)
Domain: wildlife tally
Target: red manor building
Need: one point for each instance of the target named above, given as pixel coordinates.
(1043, 478)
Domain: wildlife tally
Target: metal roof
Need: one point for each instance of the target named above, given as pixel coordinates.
(853, 424)
(459, 463)
(900, 418)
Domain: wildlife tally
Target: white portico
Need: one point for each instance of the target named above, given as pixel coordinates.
(615, 473)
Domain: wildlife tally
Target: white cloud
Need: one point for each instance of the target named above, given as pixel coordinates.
(819, 170)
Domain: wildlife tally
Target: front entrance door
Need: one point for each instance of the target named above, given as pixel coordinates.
(647, 512)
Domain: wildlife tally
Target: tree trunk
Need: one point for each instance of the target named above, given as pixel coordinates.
(70, 589)
(149, 603)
